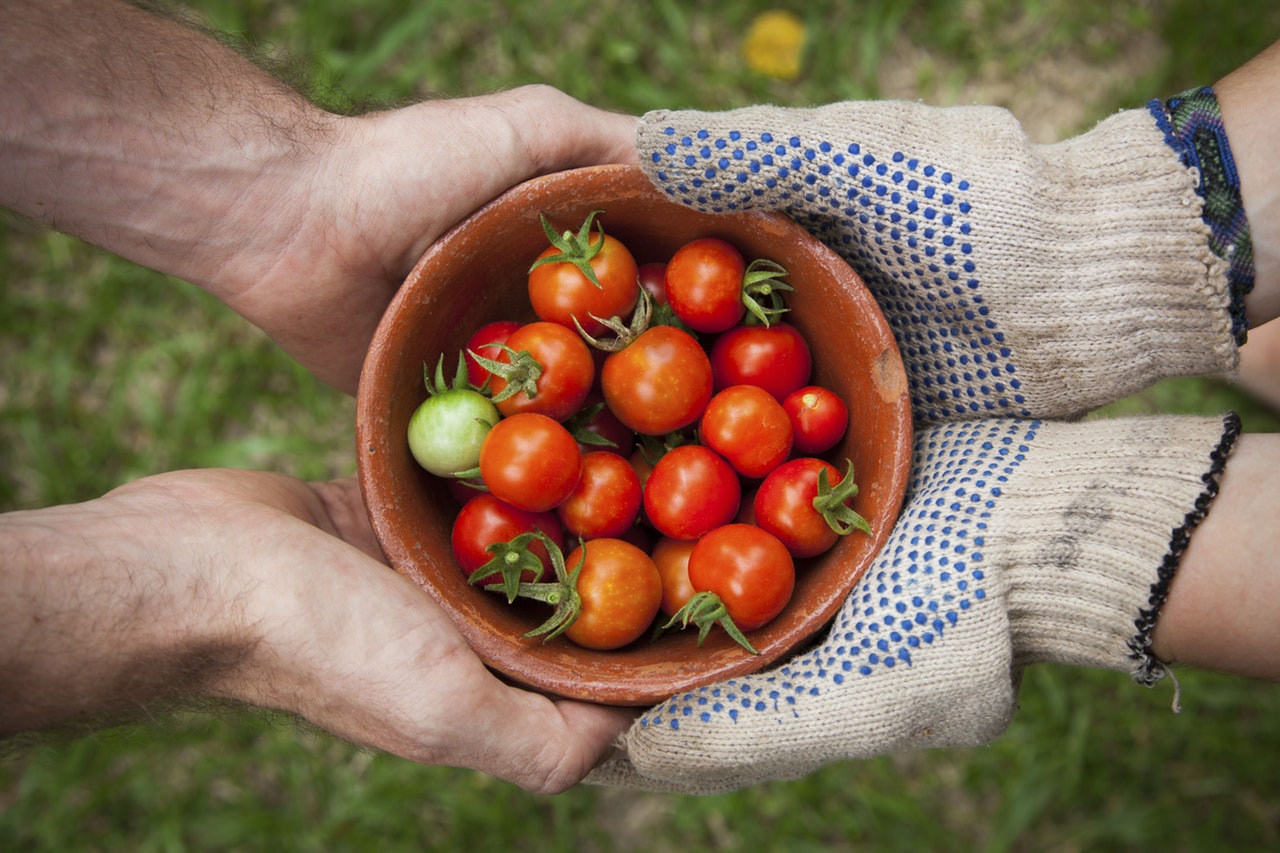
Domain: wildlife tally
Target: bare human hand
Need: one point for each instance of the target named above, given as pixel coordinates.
(260, 588)
(162, 144)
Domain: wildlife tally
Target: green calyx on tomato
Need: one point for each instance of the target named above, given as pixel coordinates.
(624, 333)
(705, 609)
(577, 425)
(561, 593)
(654, 447)
(511, 560)
(577, 249)
(521, 373)
(763, 289)
(832, 502)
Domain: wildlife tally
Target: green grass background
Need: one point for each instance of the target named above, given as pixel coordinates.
(109, 372)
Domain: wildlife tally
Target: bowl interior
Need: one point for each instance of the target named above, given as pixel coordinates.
(476, 274)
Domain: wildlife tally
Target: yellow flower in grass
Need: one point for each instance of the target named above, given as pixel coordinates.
(774, 43)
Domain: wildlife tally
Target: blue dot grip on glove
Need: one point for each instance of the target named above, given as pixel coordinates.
(1019, 279)
(1021, 541)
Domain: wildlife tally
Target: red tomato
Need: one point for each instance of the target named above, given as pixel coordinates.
(658, 383)
(748, 568)
(530, 461)
(464, 489)
(561, 292)
(704, 284)
(485, 341)
(485, 520)
(776, 358)
(620, 590)
(819, 419)
(640, 536)
(652, 277)
(784, 506)
(671, 556)
(749, 428)
(747, 511)
(641, 464)
(598, 423)
(567, 372)
(606, 500)
(691, 490)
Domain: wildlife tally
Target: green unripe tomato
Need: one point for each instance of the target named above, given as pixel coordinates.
(446, 431)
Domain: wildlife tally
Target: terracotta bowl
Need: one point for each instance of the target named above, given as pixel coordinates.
(476, 274)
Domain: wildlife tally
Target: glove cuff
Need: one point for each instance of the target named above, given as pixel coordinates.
(1093, 531)
(1192, 124)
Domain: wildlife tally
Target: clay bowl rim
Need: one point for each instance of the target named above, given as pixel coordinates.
(397, 494)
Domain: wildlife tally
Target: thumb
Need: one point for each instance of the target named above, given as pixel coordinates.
(553, 131)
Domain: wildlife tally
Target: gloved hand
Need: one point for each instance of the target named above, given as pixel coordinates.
(1020, 279)
(1021, 541)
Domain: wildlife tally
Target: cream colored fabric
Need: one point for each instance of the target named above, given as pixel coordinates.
(1020, 279)
(1021, 541)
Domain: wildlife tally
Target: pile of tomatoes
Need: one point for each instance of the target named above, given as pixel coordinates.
(655, 421)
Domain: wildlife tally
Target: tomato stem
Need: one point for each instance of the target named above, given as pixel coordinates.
(705, 609)
(624, 333)
(561, 593)
(521, 373)
(436, 384)
(762, 289)
(832, 502)
(574, 249)
(510, 560)
(577, 426)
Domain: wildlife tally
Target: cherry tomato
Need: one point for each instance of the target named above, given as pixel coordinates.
(639, 535)
(485, 341)
(485, 520)
(463, 489)
(784, 506)
(691, 490)
(658, 383)
(598, 428)
(642, 464)
(620, 590)
(448, 429)
(561, 292)
(776, 358)
(606, 500)
(749, 428)
(671, 556)
(530, 460)
(704, 284)
(747, 510)
(749, 569)
(567, 371)
(652, 277)
(819, 419)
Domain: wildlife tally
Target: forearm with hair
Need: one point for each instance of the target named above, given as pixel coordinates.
(93, 626)
(145, 136)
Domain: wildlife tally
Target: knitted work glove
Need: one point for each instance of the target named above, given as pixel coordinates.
(1021, 541)
(1020, 279)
